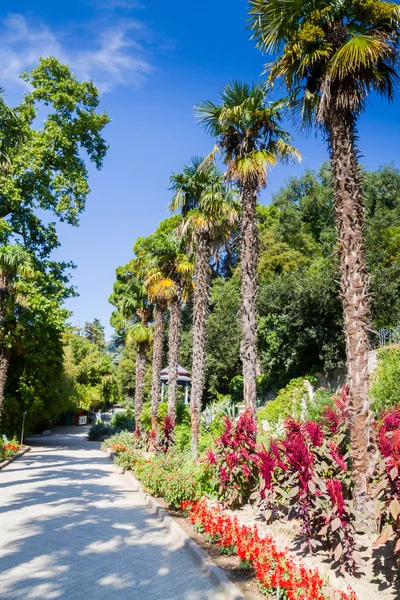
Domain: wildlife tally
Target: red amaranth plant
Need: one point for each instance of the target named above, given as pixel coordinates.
(303, 463)
(167, 437)
(334, 419)
(387, 491)
(339, 527)
(300, 459)
(232, 463)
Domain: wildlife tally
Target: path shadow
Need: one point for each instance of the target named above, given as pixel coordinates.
(73, 534)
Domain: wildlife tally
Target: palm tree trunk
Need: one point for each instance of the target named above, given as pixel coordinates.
(140, 375)
(350, 221)
(159, 330)
(249, 263)
(4, 363)
(173, 354)
(200, 310)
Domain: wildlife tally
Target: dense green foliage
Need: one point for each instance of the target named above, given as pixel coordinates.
(172, 476)
(385, 389)
(300, 325)
(90, 369)
(46, 180)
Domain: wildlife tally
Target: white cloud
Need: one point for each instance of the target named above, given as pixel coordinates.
(110, 54)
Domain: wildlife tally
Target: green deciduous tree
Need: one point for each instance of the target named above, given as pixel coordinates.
(15, 262)
(47, 168)
(45, 144)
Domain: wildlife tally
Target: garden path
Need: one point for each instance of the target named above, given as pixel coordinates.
(72, 528)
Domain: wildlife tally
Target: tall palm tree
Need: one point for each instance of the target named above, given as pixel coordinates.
(15, 262)
(160, 290)
(332, 54)
(173, 269)
(210, 214)
(248, 134)
(133, 316)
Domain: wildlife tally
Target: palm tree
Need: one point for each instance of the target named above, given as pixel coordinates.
(15, 262)
(210, 216)
(133, 316)
(250, 139)
(160, 291)
(172, 270)
(333, 54)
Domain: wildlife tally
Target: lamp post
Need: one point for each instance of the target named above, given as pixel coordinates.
(23, 425)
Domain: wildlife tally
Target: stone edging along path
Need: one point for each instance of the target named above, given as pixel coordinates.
(10, 459)
(200, 556)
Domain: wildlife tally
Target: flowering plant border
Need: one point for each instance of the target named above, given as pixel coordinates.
(275, 570)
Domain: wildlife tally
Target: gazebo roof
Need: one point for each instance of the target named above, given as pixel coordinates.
(183, 375)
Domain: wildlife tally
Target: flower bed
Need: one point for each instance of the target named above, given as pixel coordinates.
(277, 573)
(302, 485)
(9, 449)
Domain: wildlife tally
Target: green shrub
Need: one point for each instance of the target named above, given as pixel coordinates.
(129, 460)
(122, 437)
(206, 441)
(145, 419)
(182, 414)
(385, 389)
(183, 437)
(123, 421)
(98, 430)
(322, 399)
(287, 402)
(236, 389)
(162, 412)
(174, 477)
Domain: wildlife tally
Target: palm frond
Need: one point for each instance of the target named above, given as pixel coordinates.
(138, 334)
(358, 53)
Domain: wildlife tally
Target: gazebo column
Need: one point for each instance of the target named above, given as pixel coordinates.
(162, 391)
(186, 393)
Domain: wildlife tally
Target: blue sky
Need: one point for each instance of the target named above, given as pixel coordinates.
(153, 61)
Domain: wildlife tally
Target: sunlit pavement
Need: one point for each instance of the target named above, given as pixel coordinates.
(73, 528)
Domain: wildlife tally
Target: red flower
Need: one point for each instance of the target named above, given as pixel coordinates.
(335, 492)
(210, 458)
(314, 433)
(337, 457)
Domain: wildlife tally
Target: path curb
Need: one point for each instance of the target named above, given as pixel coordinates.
(199, 556)
(11, 459)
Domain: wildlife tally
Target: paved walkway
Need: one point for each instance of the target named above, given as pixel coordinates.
(72, 528)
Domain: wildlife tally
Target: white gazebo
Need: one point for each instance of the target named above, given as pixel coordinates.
(183, 379)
